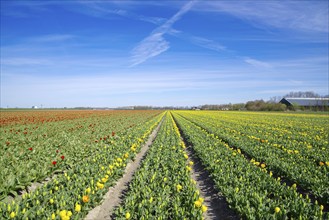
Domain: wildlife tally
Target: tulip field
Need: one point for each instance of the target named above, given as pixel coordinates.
(266, 165)
(162, 188)
(85, 154)
(60, 164)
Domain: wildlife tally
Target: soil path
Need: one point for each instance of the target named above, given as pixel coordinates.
(218, 208)
(114, 196)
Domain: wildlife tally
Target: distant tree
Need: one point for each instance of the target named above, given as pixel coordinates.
(238, 106)
(142, 107)
(261, 105)
(275, 99)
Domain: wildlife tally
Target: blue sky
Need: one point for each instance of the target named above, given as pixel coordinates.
(160, 53)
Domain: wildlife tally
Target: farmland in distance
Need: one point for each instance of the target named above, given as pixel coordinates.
(60, 164)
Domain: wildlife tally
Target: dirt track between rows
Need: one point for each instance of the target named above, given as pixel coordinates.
(113, 198)
(217, 206)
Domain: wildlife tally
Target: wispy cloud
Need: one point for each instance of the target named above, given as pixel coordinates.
(52, 38)
(155, 44)
(307, 62)
(209, 44)
(143, 82)
(24, 61)
(199, 41)
(103, 9)
(310, 86)
(215, 46)
(296, 15)
(101, 88)
(150, 47)
(256, 63)
(153, 20)
(24, 9)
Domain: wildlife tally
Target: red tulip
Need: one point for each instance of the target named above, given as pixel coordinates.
(30, 148)
(62, 157)
(54, 163)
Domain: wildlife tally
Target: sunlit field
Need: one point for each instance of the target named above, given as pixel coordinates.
(60, 164)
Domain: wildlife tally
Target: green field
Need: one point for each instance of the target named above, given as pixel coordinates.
(264, 165)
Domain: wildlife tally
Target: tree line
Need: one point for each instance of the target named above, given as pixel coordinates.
(272, 105)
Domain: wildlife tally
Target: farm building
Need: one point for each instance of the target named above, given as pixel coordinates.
(34, 106)
(306, 102)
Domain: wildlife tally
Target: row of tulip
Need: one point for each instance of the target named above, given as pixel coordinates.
(162, 188)
(32, 152)
(26, 117)
(249, 188)
(294, 168)
(306, 135)
(70, 195)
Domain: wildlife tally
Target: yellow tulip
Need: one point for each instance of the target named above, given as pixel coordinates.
(12, 215)
(197, 204)
(277, 209)
(77, 207)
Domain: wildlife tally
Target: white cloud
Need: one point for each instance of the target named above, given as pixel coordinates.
(85, 90)
(52, 38)
(209, 44)
(256, 63)
(307, 62)
(155, 44)
(296, 15)
(199, 41)
(24, 61)
(142, 82)
(103, 9)
(151, 46)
